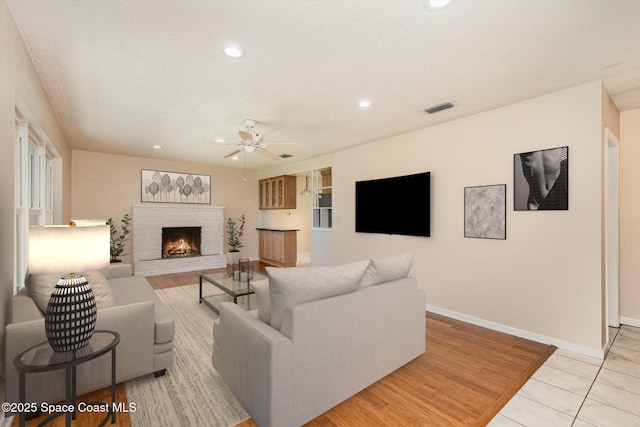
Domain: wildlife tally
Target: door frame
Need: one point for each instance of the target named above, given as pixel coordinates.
(612, 229)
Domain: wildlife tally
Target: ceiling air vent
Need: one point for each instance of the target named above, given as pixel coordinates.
(439, 107)
(286, 156)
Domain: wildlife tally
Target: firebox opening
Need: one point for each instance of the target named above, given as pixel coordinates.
(181, 242)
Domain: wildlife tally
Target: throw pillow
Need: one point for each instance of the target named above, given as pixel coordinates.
(101, 289)
(386, 269)
(291, 286)
(40, 287)
(263, 299)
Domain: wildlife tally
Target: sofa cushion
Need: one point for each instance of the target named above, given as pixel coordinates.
(41, 285)
(263, 299)
(386, 269)
(291, 286)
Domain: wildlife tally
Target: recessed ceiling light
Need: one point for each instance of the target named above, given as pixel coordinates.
(438, 4)
(157, 147)
(219, 139)
(235, 158)
(233, 52)
(364, 103)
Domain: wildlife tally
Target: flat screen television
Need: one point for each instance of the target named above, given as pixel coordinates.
(397, 205)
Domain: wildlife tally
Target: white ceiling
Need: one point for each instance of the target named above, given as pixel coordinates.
(125, 75)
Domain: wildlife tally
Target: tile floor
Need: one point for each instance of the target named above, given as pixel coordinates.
(578, 391)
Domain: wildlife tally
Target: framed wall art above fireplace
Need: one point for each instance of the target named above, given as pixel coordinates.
(174, 187)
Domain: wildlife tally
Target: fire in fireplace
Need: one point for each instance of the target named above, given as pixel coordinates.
(181, 241)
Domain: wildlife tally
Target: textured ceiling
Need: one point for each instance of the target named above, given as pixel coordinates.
(125, 75)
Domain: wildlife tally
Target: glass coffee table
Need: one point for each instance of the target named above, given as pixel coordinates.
(239, 292)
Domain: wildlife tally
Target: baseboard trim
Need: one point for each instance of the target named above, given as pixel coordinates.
(630, 321)
(565, 345)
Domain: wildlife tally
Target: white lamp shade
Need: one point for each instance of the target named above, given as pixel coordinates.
(54, 249)
(88, 222)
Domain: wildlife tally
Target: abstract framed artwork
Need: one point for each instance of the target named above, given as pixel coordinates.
(541, 180)
(175, 187)
(485, 212)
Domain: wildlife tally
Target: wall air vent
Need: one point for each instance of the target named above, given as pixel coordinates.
(438, 107)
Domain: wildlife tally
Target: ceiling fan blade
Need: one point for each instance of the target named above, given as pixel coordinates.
(245, 136)
(232, 154)
(269, 154)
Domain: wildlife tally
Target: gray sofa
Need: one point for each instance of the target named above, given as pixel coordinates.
(319, 347)
(145, 325)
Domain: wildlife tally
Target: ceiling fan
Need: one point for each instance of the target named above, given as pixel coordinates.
(251, 141)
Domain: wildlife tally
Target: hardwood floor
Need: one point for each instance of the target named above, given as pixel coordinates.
(88, 418)
(465, 376)
(189, 278)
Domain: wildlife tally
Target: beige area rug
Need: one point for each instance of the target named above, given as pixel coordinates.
(191, 393)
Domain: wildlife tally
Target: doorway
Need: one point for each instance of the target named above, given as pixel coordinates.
(612, 229)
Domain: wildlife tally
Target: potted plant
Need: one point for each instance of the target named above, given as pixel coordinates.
(235, 231)
(116, 243)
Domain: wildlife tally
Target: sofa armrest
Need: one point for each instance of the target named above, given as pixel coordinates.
(255, 361)
(134, 323)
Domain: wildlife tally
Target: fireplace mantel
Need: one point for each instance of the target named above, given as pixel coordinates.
(148, 221)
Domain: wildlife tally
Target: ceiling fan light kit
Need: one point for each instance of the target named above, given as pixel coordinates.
(251, 142)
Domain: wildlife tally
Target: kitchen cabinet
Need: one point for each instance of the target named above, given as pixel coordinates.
(278, 192)
(278, 247)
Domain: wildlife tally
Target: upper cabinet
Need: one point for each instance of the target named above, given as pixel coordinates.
(278, 192)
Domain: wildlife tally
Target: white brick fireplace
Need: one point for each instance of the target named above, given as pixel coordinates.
(148, 221)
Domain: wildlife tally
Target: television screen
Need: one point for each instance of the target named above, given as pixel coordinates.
(398, 205)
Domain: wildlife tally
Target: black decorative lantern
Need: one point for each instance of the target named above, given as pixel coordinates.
(71, 314)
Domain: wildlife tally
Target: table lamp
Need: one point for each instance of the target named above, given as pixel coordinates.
(87, 222)
(70, 317)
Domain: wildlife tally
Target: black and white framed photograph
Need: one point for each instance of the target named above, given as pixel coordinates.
(485, 212)
(541, 180)
(175, 187)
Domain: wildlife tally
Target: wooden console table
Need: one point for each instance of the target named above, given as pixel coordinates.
(278, 247)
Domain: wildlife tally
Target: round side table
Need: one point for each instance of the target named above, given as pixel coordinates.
(42, 358)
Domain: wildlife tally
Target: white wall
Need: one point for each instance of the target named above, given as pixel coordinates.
(545, 279)
(108, 185)
(630, 217)
(18, 76)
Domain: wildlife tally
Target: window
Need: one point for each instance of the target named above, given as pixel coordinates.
(35, 189)
(321, 191)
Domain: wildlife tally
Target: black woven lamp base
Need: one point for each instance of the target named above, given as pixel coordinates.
(71, 314)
